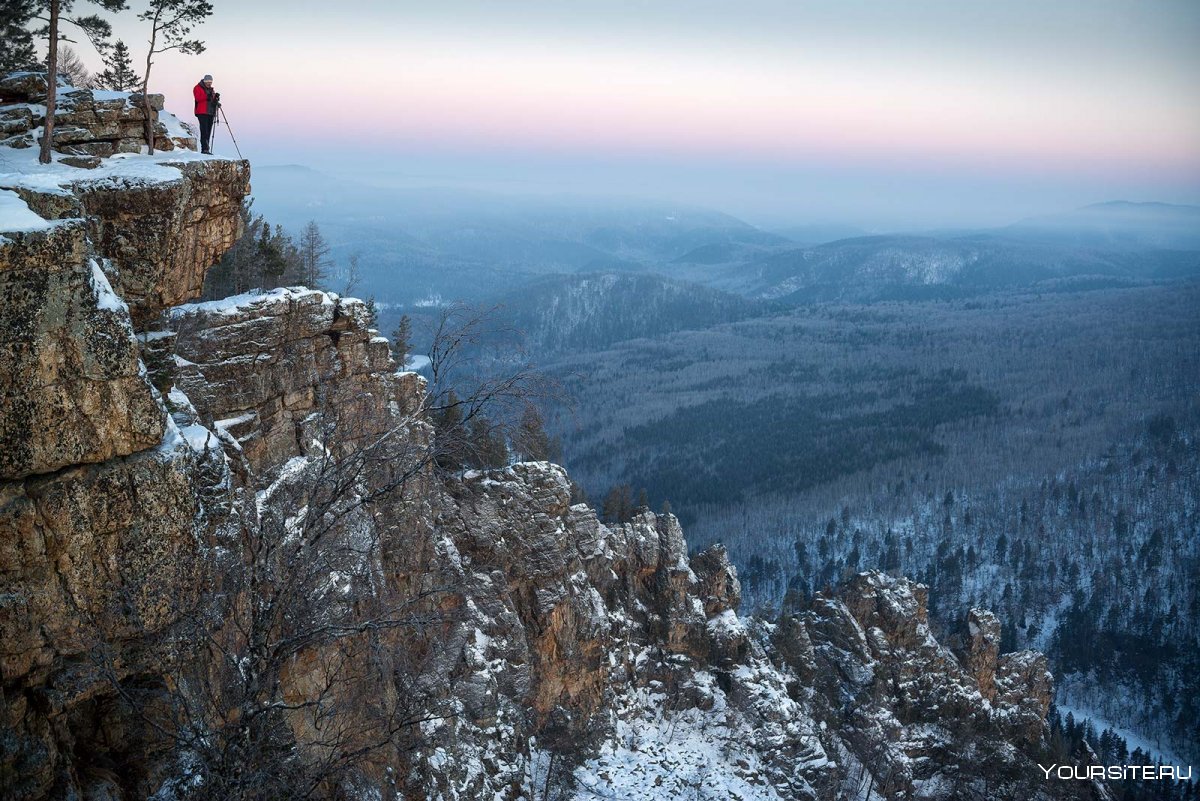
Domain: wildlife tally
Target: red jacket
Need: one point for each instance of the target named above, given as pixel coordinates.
(204, 97)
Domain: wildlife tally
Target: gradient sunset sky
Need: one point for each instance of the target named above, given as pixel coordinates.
(882, 114)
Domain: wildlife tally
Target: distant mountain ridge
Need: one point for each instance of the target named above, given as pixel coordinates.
(594, 310)
(423, 241)
(867, 269)
(479, 246)
(1117, 224)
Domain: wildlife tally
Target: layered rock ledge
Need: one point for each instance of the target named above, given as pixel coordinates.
(89, 124)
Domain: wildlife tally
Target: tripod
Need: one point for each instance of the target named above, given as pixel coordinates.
(231, 136)
(216, 123)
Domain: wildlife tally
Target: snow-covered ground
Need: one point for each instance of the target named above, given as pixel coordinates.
(243, 303)
(16, 216)
(689, 754)
(416, 363)
(19, 167)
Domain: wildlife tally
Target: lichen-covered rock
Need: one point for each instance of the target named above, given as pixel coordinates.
(23, 87)
(81, 162)
(102, 557)
(1024, 691)
(15, 120)
(74, 391)
(718, 588)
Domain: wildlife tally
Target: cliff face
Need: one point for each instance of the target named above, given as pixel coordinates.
(105, 509)
(223, 546)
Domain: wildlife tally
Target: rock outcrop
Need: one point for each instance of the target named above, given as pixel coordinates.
(983, 628)
(164, 223)
(124, 241)
(165, 235)
(227, 562)
(74, 391)
(277, 369)
(908, 710)
(88, 123)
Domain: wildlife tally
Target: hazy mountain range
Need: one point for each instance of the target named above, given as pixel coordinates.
(447, 243)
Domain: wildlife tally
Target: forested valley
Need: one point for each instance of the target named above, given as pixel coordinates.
(1031, 453)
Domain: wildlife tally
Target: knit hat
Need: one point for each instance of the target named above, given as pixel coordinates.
(206, 78)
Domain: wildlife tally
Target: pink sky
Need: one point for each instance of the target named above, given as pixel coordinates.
(1091, 91)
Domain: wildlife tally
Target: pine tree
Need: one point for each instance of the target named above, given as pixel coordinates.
(118, 74)
(401, 340)
(293, 273)
(372, 313)
(618, 504)
(18, 52)
(314, 256)
(272, 250)
(531, 439)
(261, 259)
(57, 12)
(487, 447)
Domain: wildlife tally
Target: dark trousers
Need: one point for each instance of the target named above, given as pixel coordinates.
(206, 126)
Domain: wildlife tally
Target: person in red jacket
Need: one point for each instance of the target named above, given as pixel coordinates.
(207, 103)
